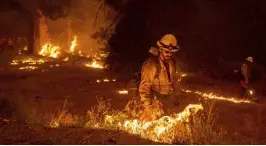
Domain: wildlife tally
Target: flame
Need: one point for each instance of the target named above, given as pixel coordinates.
(73, 45)
(157, 130)
(14, 62)
(183, 75)
(29, 68)
(29, 61)
(213, 96)
(80, 53)
(50, 50)
(94, 64)
(250, 92)
(66, 59)
(106, 80)
(123, 92)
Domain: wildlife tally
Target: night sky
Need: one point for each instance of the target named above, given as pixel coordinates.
(207, 30)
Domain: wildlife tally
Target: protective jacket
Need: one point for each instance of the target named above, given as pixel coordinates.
(156, 78)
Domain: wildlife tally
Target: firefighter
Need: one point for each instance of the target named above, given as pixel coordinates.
(245, 76)
(158, 76)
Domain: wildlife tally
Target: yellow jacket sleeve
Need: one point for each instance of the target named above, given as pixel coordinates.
(147, 77)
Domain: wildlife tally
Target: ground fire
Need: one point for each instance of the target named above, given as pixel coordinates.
(50, 50)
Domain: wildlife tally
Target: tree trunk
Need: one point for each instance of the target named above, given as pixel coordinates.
(69, 30)
(31, 39)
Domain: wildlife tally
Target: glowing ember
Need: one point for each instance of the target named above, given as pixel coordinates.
(123, 92)
(106, 80)
(213, 96)
(80, 53)
(104, 54)
(94, 64)
(98, 81)
(66, 59)
(29, 68)
(73, 45)
(14, 62)
(114, 80)
(250, 92)
(29, 61)
(25, 48)
(50, 50)
(183, 75)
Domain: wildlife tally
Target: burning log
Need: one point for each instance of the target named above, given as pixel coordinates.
(50, 50)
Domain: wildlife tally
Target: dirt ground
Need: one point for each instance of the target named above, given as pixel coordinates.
(47, 91)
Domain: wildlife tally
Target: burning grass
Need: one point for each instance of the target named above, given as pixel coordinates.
(186, 127)
(95, 64)
(177, 128)
(214, 96)
(29, 61)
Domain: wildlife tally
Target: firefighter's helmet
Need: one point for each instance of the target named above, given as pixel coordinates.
(250, 59)
(169, 43)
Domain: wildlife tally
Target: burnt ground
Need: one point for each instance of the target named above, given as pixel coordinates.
(46, 92)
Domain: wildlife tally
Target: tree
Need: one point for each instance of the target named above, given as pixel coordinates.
(32, 9)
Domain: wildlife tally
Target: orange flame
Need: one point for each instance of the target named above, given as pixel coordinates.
(73, 45)
(156, 130)
(50, 50)
(123, 92)
(213, 96)
(94, 64)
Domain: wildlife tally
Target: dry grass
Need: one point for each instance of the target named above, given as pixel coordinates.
(64, 118)
(98, 115)
(202, 128)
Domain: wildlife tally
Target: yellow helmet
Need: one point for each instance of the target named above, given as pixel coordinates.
(169, 43)
(250, 59)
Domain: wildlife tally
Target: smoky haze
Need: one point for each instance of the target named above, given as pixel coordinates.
(81, 22)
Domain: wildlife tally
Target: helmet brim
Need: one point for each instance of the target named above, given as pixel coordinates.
(171, 49)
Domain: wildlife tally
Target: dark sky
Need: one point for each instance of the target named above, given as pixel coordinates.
(205, 29)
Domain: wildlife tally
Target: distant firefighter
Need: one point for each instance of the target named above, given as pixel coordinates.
(246, 76)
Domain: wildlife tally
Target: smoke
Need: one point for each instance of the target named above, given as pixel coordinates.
(85, 19)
